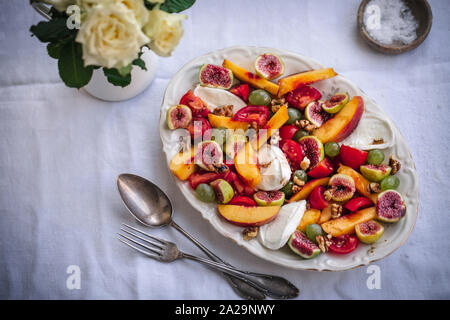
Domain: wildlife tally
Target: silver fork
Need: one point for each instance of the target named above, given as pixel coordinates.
(167, 251)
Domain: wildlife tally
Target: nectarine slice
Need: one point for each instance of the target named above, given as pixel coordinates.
(246, 164)
(342, 125)
(182, 164)
(292, 82)
(248, 216)
(226, 122)
(250, 77)
(346, 224)
(308, 188)
(309, 217)
(274, 123)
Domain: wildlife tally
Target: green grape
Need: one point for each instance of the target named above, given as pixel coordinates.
(205, 193)
(294, 115)
(301, 175)
(313, 230)
(390, 182)
(300, 134)
(375, 157)
(287, 189)
(259, 98)
(332, 149)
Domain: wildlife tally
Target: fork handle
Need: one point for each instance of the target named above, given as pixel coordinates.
(242, 288)
(274, 286)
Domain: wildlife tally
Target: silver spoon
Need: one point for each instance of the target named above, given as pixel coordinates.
(151, 207)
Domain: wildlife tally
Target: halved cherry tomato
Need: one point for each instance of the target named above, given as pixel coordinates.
(243, 201)
(206, 177)
(292, 150)
(199, 128)
(323, 169)
(198, 108)
(343, 244)
(316, 198)
(241, 90)
(302, 96)
(258, 114)
(358, 203)
(239, 187)
(288, 131)
(352, 157)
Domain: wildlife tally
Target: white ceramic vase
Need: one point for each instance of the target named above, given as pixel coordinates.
(100, 88)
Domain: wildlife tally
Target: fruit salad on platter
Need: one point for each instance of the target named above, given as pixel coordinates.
(293, 166)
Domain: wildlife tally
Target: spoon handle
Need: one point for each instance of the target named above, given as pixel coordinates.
(276, 287)
(241, 287)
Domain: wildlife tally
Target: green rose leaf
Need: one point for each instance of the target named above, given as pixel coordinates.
(172, 6)
(53, 30)
(71, 67)
(114, 77)
(140, 63)
(54, 49)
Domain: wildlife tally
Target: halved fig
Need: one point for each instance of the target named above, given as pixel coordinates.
(369, 231)
(312, 149)
(342, 187)
(214, 76)
(390, 206)
(374, 172)
(178, 116)
(269, 66)
(223, 190)
(208, 155)
(315, 114)
(336, 103)
(302, 246)
(269, 198)
(302, 96)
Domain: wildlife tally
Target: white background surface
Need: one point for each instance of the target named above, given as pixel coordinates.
(61, 150)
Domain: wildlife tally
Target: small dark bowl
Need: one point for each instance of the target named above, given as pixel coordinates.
(421, 11)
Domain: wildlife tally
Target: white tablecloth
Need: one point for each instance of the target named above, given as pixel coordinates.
(61, 150)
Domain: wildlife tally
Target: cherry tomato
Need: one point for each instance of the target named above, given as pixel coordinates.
(198, 128)
(196, 104)
(344, 244)
(243, 201)
(288, 131)
(316, 198)
(258, 114)
(358, 203)
(239, 187)
(197, 178)
(352, 157)
(323, 169)
(302, 96)
(292, 150)
(242, 91)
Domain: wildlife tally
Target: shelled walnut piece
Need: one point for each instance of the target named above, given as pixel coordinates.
(305, 125)
(394, 164)
(298, 182)
(336, 210)
(323, 242)
(225, 111)
(374, 187)
(250, 233)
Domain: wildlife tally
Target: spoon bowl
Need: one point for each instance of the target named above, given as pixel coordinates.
(144, 200)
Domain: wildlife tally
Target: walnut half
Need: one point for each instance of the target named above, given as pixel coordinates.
(394, 164)
(250, 233)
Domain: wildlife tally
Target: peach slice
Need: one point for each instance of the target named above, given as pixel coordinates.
(248, 216)
(346, 224)
(250, 78)
(361, 183)
(226, 122)
(274, 123)
(342, 125)
(310, 216)
(308, 188)
(246, 164)
(182, 164)
(325, 215)
(292, 82)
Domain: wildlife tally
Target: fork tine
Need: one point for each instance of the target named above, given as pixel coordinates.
(141, 244)
(148, 254)
(146, 234)
(153, 243)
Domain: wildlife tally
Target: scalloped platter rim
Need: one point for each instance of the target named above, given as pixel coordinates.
(395, 235)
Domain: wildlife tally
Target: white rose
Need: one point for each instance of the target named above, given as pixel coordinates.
(111, 37)
(164, 30)
(136, 6)
(60, 5)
